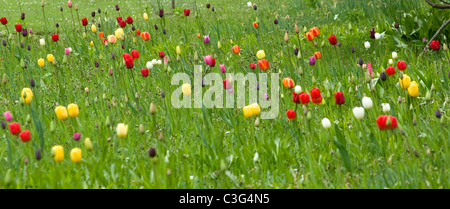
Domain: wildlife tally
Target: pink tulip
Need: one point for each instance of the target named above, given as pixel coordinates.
(8, 116)
(369, 68)
(208, 60)
(30, 30)
(69, 3)
(206, 39)
(222, 68)
(67, 51)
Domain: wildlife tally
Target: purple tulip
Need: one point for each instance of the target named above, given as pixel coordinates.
(22, 16)
(24, 32)
(3, 125)
(353, 49)
(38, 154)
(99, 10)
(93, 14)
(113, 56)
(96, 64)
(296, 51)
(360, 62)
(164, 31)
(208, 6)
(156, 27)
(212, 9)
(312, 60)
(4, 42)
(275, 21)
(21, 45)
(372, 33)
(61, 9)
(161, 13)
(383, 76)
(76, 136)
(152, 152)
(222, 68)
(438, 114)
(255, 7)
(133, 28)
(32, 83)
(206, 39)
(57, 25)
(163, 95)
(117, 8)
(28, 47)
(397, 26)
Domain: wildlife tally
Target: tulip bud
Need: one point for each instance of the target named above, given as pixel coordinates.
(350, 90)
(400, 99)
(286, 38)
(37, 154)
(152, 108)
(88, 144)
(86, 103)
(28, 118)
(308, 115)
(445, 48)
(76, 7)
(108, 121)
(296, 29)
(414, 122)
(300, 71)
(438, 114)
(141, 129)
(42, 3)
(161, 136)
(152, 152)
(313, 79)
(257, 122)
(219, 45)
(3, 125)
(388, 122)
(428, 95)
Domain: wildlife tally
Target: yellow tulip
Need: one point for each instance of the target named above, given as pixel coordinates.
(186, 89)
(145, 16)
(41, 62)
(73, 110)
(261, 54)
(405, 82)
(119, 33)
(50, 57)
(122, 130)
(27, 95)
(413, 89)
(247, 111)
(178, 50)
(94, 28)
(91, 44)
(88, 144)
(58, 153)
(61, 112)
(75, 155)
(256, 109)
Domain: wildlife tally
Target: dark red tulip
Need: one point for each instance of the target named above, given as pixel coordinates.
(252, 66)
(339, 98)
(135, 54)
(332, 40)
(3, 20)
(187, 12)
(161, 54)
(144, 72)
(122, 24)
(129, 20)
(55, 37)
(435, 45)
(84, 21)
(18, 28)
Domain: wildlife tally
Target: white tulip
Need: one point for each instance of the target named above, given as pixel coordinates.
(159, 62)
(42, 42)
(298, 89)
(249, 4)
(367, 45)
(358, 112)
(394, 55)
(391, 62)
(70, 49)
(256, 157)
(154, 62)
(326, 123)
(149, 65)
(377, 36)
(367, 103)
(386, 107)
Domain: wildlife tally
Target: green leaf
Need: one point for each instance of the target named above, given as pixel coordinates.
(340, 143)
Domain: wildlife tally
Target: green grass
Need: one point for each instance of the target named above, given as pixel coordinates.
(215, 148)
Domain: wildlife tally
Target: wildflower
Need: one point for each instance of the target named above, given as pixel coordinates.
(73, 110)
(75, 155)
(61, 112)
(122, 130)
(58, 153)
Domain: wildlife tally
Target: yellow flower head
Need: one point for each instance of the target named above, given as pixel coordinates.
(91, 44)
(88, 144)
(186, 89)
(247, 111)
(75, 155)
(256, 109)
(145, 16)
(94, 28)
(119, 33)
(61, 112)
(261, 54)
(413, 89)
(178, 50)
(27, 95)
(41, 62)
(73, 110)
(50, 57)
(122, 130)
(405, 82)
(58, 153)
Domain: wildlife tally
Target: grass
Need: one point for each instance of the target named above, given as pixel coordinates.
(215, 148)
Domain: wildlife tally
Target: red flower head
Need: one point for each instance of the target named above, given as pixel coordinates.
(4, 20)
(316, 96)
(255, 25)
(213, 62)
(101, 35)
(252, 66)
(295, 97)
(435, 45)
(332, 40)
(55, 37)
(129, 20)
(128, 60)
(186, 12)
(386, 122)
(145, 36)
(25, 136)
(135, 54)
(122, 24)
(137, 33)
(18, 28)
(105, 41)
(291, 114)
(304, 98)
(263, 64)
(144, 72)
(84, 21)
(227, 85)
(14, 128)
(119, 19)
(161, 54)
(401, 65)
(390, 70)
(339, 98)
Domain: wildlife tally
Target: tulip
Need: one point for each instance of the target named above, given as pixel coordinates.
(25, 136)
(405, 82)
(236, 49)
(438, 114)
(3, 20)
(413, 89)
(135, 54)
(24, 32)
(75, 155)
(178, 50)
(50, 57)
(206, 39)
(367, 45)
(255, 25)
(88, 144)
(391, 62)
(315, 31)
(358, 112)
(145, 15)
(390, 70)
(111, 39)
(27, 95)
(14, 128)
(186, 89)
(386, 122)
(161, 54)
(394, 55)
(312, 60)
(37, 154)
(367, 103)
(317, 55)
(94, 28)
(73, 110)
(145, 72)
(298, 89)
(435, 45)
(316, 96)
(119, 33)
(252, 66)
(339, 98)
(263, 64)
(383, 76)
(377, 36)
(291, 114)
(129, 20)
(122, 130)
(222, 68)
(275, 22)
(261, 54)
(286, 38)
(18, 28)
(152, 152)
(55, 37)
(69, 4)
(8, 116)
(42, 42)
(145, 36)
(386, 107)
(61, 112)
(332, 40)
(326, 124)
(401, 65)
(76, 136)
(58, 153)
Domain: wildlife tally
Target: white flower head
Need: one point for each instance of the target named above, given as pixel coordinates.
(394, 55)
(42, 42)
(154, 62)
(256, 157)
(326, 123)
(249, 4)
(386, 107)
(377, 36)
(391, 62)
(298, 89)
(159, 62)
(367, 103)
(358, 112)
(367, 45)
(149, 65)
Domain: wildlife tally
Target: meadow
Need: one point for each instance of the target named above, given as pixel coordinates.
(87, 100)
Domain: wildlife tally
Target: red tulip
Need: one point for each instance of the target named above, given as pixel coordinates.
(390, 70)
(144, 72)
(135, 54)
(252, 66)
(18, 28)
(128, 60)
(304, 98)
(386, 122)
(122, 24)
(119, 19)
(137, 33)
(227, 85)
(213, 62)
(84, 21)
(129, 20)
(332, 40)
(435, 45)
(339, 98)
(263, 64)
(401, 65)
(161, 54)
(145, 36)
(55, 37)
(295, 97)
(291, 114)
(316, 96)
(186, 12)
(101, 35)
(14, 128)
(25, 136)
(4, 20)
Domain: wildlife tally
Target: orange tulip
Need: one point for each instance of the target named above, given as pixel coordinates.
(288, 83)
(236, 49)
(101, 35)
(263, 64)
(198, 35)
(317, 55)
(309, 36)
(315, 31)
(145, 36)
(255, 25)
